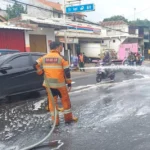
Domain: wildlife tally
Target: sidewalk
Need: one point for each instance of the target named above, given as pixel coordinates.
(88, 71)
(146, 62)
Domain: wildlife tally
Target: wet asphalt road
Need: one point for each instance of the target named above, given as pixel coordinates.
(112, 116)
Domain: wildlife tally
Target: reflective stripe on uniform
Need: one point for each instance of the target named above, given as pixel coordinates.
(52, 113)
(51, 80)
(65, 67)
(68, 79)
(67, 111)
(55, 85)
(52, 67)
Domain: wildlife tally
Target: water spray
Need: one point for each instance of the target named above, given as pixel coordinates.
(121, 68)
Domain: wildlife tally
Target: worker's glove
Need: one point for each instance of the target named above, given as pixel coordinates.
(69, 85)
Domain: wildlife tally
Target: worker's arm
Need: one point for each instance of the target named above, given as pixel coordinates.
(65, 65)
(38, 66)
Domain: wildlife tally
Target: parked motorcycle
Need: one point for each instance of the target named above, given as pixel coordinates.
(103, 73)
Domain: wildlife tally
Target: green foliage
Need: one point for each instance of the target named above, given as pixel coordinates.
(15, 11)
(139, 22)
(116, 18)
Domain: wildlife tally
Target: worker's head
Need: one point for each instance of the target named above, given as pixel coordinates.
(58, 46)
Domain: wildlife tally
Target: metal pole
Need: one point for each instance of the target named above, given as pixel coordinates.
(65, 32)
(134, 13)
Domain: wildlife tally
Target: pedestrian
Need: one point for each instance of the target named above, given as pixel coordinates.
(71, 59)
(75, 61)
(56, 69)
(138, 59)
(81, 62)
(131, 58)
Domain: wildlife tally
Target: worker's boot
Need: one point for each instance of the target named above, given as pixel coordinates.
(74, 119)
(60, 109)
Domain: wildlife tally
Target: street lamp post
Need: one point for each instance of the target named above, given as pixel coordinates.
(65, 3)
(134, 13)
(65, 31)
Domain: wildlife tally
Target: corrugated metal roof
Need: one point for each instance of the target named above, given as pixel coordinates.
(52, 22)
(12, 27)
(112, 23)
(2, 18)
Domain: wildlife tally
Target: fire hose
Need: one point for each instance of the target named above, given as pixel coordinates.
(54, 124)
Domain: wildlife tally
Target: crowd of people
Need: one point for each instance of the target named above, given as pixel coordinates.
(134, 59)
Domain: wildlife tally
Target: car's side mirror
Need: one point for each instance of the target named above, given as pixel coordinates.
(5, 67)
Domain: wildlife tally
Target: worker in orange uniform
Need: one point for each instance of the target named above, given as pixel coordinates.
(81, 62)
(57, 72)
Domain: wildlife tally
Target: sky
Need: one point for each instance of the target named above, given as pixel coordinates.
(108, 8)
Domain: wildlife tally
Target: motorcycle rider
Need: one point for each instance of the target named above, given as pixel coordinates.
(107, 61)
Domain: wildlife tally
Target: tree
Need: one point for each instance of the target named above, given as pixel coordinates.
(139, 22)
(15, 11)
(116, 18)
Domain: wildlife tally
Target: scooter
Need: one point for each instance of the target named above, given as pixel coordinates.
(103, 73)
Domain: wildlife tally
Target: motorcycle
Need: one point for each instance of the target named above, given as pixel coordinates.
(103, 73)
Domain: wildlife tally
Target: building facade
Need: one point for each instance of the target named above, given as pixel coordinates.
(80, 34)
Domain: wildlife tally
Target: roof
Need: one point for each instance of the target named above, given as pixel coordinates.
(56, 6)
(112, 23)
(4, 26)
(2, 18)
(52, 23)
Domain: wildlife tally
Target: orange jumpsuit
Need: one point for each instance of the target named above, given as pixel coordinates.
(57, 72)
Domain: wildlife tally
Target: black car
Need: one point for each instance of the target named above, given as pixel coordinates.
(17, 74)
(8, 51)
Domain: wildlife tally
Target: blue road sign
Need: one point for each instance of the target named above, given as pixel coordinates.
(80, 8)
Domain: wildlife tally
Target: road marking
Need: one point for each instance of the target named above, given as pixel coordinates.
(82, 87)
(83, 76)
(106, 84)
(73, 82)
